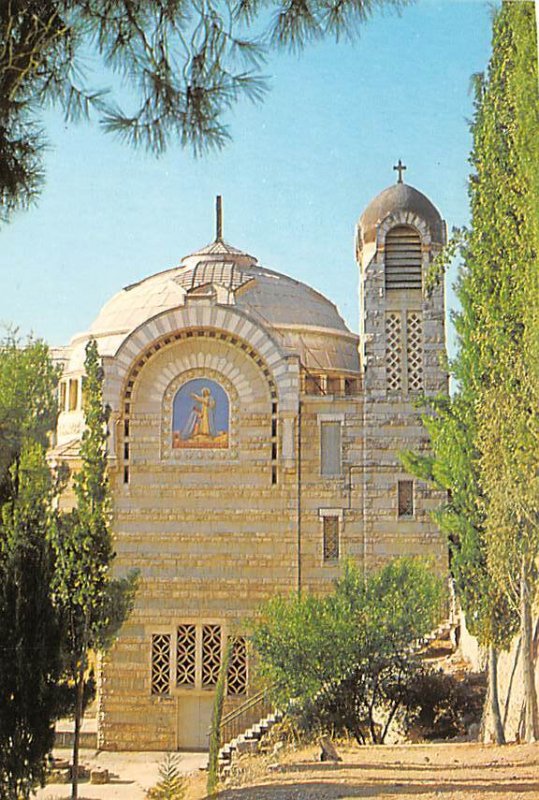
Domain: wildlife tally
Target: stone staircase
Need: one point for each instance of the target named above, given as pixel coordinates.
(242, 729)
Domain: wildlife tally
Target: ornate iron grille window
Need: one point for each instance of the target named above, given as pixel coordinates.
(331, 538)
(393, 352)
(415, 351)
(237, 668)
(186, 655)
(161, 663)
(211, 655)
(406, 498)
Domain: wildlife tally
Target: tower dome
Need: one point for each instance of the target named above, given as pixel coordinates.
(398, 199)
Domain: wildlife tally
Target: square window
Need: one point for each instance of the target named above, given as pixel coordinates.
(406, 498)
(331, 538)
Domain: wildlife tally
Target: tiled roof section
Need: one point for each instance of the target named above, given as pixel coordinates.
(220, 273)
(219, 248)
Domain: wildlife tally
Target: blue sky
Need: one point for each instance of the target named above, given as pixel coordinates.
(300, 169)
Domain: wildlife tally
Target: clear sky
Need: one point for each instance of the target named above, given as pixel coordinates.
(301, 168)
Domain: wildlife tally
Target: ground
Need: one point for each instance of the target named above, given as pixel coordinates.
(464, 771)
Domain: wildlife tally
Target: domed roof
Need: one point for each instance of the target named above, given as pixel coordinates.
(230, 276)
(400, 197)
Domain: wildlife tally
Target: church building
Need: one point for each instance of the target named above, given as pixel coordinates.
(254, 444)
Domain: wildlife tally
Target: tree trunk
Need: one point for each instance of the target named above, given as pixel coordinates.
(79, 688)
(492, 706)
(389, 720)
(530, 693)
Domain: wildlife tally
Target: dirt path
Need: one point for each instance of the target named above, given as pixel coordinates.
(413, 772)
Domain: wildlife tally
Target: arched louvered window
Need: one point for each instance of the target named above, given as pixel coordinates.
(403, 258)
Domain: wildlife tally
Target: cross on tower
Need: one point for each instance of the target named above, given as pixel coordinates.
(400, 167)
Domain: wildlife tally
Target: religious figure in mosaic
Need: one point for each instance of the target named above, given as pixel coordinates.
(200, 415)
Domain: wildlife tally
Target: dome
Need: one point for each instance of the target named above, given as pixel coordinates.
(303, 319)
(401, 198)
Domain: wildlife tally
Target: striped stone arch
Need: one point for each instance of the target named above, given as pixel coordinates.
(403, 218)
(209, 321)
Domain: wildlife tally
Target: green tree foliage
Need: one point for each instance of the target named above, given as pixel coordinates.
(501, 283)
(217, 716)
(184, 64)
(28, 405)
(93, 602)
(29, 630)
(346, 660)
(30, 663)
(485, 440)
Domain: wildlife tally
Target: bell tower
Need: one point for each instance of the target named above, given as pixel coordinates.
(402, 345)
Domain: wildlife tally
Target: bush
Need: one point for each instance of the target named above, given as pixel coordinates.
(344, 662)
(440, 706)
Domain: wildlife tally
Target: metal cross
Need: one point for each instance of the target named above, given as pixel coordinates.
(400, 167)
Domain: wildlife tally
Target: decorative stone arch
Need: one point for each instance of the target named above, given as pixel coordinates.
(407, 218)
(277, 369)
(211, 321)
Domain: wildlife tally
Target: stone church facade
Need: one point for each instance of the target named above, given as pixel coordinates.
(253, 446)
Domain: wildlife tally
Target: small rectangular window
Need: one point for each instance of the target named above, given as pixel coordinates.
(351, 386)
(330, 448)
(331, 538)
(62, 396)
(406, 498)
(186, 654)
(161, 663)
(73, 393)
(211, 655)
(313, 385)
(237, 668)
(333, 385)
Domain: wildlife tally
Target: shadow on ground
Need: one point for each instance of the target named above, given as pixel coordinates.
(337, 791)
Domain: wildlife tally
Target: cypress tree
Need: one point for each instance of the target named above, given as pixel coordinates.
(94, 603)
(485, 439)
(500, 284)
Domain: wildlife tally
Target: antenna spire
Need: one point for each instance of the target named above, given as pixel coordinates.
(218, 218)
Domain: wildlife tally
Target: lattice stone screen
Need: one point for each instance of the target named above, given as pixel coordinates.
(331, 538)
(186, 655)
(237, 667)
(393, 352)
(161, 663)
(415, 351)
(211, 654)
